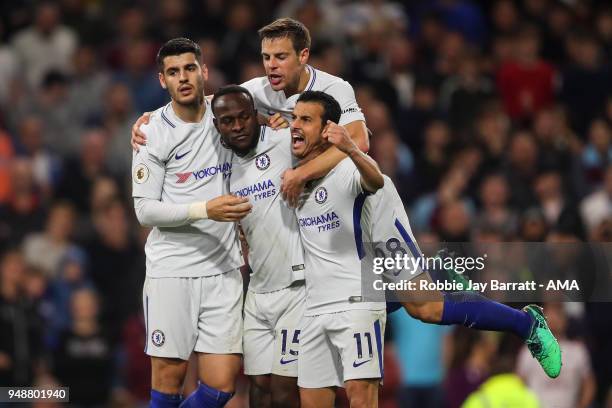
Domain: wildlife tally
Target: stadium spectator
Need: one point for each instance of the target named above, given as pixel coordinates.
(54, 242)
(83, 358)
(472, 353)
(19, 324)
(597, 206)
(503, 388)
(45, 46)
(420, 352)
(526, 83)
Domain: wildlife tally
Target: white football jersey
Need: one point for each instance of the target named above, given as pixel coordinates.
(330, 226)
(184, 163)
(385, 221)
(268, 101)
(276, 255)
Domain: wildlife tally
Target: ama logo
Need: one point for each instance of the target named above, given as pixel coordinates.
(321, 195)
(262, 161)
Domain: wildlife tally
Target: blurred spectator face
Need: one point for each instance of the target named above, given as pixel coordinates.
(250, 70)
(22, 176)
(84, 305)
(455, 221)
(384, 150)
(12, 269)
(450, 50)
(437, 135)
(527, 44)
(30, 132)
(399, 53)
(84, 61)
(505, 16)
(424, 97)
(93, 148)
(599, 136)
(604, 25)
(241, 17)
(377, 117)
(533, 226)
(61, 222)
(72, 272)
(309, 14)
(523, 152)
(210, 51)
(503, 49)
(331, 60)
(47, 17)
(536, 7)
(545, 125)
(588, 52)
(132, 23)
(432, 31)
(559, 20)
(112, 225)
(173, 10)
(118, 100)
(548, 186)
(139, 60)
(492, 128)
(468, 68)
(373, 39)
(494, 191)
(104, 191)
(282, 63)
(35, 284)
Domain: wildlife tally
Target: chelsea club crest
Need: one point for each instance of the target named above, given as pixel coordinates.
(321, 195)
(262, 161)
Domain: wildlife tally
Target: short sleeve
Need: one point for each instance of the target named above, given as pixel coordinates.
(148, 173)
(348, 177)
(345, 95)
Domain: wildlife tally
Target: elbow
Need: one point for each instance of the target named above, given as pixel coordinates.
(363, 144)
(143, 221)
(141, 215)
(379, 182)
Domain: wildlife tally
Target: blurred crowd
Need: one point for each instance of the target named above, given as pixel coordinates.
(493, 118)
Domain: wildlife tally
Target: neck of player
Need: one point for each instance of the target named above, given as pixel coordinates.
(300, 85)
(315, 152)
(190, 113)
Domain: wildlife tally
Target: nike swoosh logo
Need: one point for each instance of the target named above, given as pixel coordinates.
(287, 361)
(180, 156)
(356, 364)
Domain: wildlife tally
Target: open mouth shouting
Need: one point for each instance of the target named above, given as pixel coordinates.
(297, 140)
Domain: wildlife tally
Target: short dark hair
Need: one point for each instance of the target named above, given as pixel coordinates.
(231, 89)
(331, 107)
(177, 46)
(290, 28)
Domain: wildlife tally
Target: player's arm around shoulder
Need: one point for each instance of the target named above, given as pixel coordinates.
(352, 117)
(371, 177)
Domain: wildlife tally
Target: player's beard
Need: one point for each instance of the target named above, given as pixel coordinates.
(193, 102)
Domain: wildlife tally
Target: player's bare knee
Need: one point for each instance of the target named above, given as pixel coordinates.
(259, 394)
(284, 394)
(362, 393)
(261, 382)
(167, 374)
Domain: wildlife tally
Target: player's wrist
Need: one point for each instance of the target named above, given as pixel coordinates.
(198, 211)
